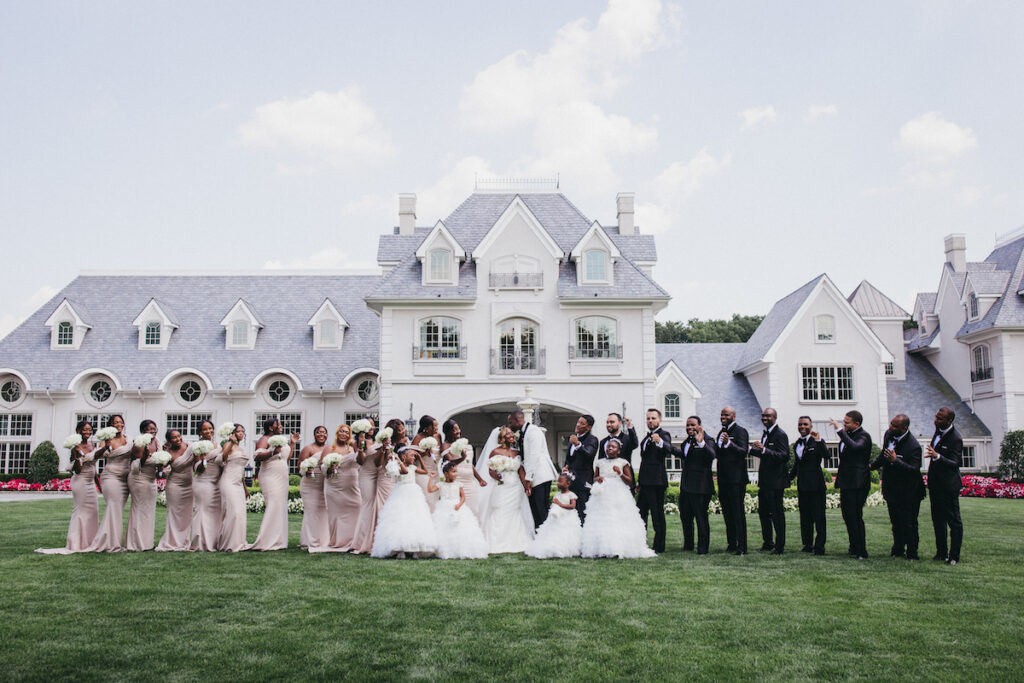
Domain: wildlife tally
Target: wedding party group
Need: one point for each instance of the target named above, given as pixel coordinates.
(386, 493)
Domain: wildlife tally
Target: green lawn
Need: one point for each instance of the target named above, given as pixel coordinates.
(206, 616)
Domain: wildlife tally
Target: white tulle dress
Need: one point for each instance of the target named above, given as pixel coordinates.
(508, 525)
(561, 534)
(404, 525)
(613, 526)
(458, 533)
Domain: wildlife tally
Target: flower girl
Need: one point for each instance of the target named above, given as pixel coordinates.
(613, 526)
(405, 525)
(561, 534)
(458, 533)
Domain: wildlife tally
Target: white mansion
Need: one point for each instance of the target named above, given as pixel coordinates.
(513, 295)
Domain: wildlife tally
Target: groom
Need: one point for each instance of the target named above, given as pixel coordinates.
(540, 471)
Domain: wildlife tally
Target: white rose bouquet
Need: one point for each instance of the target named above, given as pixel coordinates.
(143, 440)
(459, 447)
(161, 458)
(428, 444)
(385, 433)
(73, 441)
(106, 434)
(392, 468)
(360, 426)
(331, 461)
(202, 447)
(307, 466)
(277, 441)
(224, 432)
(502, 464)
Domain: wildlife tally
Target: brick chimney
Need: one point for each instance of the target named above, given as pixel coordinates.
(625, 203)
(406, 214)
(956, 251)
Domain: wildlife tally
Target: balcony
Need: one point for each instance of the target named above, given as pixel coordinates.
(597, 352)
(517, 363)
(981, 375)
(516, 280)
(437, 362)
(443, 353)
(595, 360)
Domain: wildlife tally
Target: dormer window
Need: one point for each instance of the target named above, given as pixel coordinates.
(972, 304)
(241, 327)
(440, 265)
(152, 337)
(65, 333)
(824, 329)
(239, 333)
(328, 331)
(594, 255)
(67, 326)
(328, 327)
(596, 265)
(155, 326)
(440, 255)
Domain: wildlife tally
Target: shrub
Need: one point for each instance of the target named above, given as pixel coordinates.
(1011, 456)
(44, 463)
(294, 480)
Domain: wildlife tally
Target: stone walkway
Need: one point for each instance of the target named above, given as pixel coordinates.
(11, 496)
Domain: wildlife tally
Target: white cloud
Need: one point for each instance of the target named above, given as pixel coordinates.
(880, 190)
(330, 258)
(337, 128)
(9, 321)
(969, 195)
(933, 139)
(819, 111)
(675, 186)
(756, 116)
(928, 178)
(434, 203)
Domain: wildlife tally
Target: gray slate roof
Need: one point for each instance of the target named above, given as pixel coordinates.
(629, 281)
(285, 304)
(404, 281)
(709, 366)
(927, 300)
(773, 324)
(869, 302)
(924, 392)
(991, 283)
(1008, 310)
(917, 342)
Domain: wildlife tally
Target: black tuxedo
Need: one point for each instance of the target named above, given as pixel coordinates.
(772, 480)
(854, 482)
(810, 491)
(732, 485)
(696, 489)
(903, 489)
(580, 461)
(653, 480)
(944, 485)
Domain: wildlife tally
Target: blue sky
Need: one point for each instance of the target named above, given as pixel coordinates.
(766, 141)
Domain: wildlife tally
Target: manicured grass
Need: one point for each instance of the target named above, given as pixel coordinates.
(214, 616)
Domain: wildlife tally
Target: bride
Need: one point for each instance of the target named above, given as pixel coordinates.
(504, 506)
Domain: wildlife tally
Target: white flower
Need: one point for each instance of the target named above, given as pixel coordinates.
(295, 505)
(393, 469)
(255, 503)
(161, 499)
(73, 441)
(202, 447)
(459, 447)
(309, 463)
(161, 458)
(278, 441)
(428, 444)
(106, 434)
(143, 440)
(671, 509)
(360, 426)
(225, 431)
(385, 433)
(331, 460)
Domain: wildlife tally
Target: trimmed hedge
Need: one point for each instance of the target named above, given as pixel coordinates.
(43, 464)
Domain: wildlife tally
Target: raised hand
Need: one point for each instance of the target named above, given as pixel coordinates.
(814, 435)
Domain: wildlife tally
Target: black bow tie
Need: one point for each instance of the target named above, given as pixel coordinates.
(802, 439)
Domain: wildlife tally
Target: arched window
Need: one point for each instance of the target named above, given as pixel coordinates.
(152, 334)
(824, 329)
(973, 303)
(65, 334)
(239, 333)
(278, 392)
(517, 345)
(595, 263)
(10, 392)
(982, 364)
(439, 338)
(595, 338)
(440, 265)
(671, 405)
(100, 392)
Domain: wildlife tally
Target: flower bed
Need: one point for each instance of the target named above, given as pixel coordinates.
(22, 485)
(990, 487)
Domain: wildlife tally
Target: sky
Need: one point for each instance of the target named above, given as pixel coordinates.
(766, 142)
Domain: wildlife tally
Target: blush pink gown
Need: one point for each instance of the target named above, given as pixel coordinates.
(232, 498)
(178, 531)
(114, 480)
(341, 491)
(142, 513)
(273, 534)
(362, 541)
(84, 509)
(430, 465)
(314, 531)
(206, 498)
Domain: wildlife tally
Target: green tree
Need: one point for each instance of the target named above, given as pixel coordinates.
(696, 331)
(43, 464)
(1011, 456)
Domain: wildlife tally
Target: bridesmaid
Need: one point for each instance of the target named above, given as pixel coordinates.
(427, 461)
(314, 508)
(84, 501)
(369, 455)
(467, 477)
(114, 483)
(177, 532)
(341, 490)
(386, 484)
(206, 493)
(232, 492)
(142, 487)
(273, 480)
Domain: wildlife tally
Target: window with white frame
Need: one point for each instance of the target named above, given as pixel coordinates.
(440, 338)
(595, 265)
(982, 363)
(240, 333)
(827, 384)
(291, 423)
(279, 392)
(97, 420)
(440, 265)
(824, 329)
(11, 392)
(190, 392)
(831, 461)
(15, 442)
(967, 458)
(100, 392)
(65, 334)
(517, 345)
(187, 423)
(671, 405)
(890, 368)
(328, 333)
(152, 334)
(595, 338)
(674, 463)
(353, 415)
(973, 304)
(367, 391)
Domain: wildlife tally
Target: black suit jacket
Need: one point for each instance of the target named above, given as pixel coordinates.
(944, 471)
(697, 477)
(807, 468)
(854, 458)
(652, 459)
(773, 471)
(581, 461)
(629, 443)
(903, 475)
(732, 458)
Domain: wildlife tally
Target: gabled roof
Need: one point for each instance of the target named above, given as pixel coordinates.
(919, 343)
(246, 309)
(473, 219)
(595, 231)
(1008, 310)
(405, 281)
(629, 283)
(440, 231)
(774, 323)
(327, 308)
(709, 367)
(869, 302)
(75, 308)
(991, 283)
(161, 309)
(927, 302)
(923, 392)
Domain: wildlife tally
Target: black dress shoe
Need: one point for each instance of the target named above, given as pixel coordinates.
(938, 558)
(702, 552)
(851, 553)
(777, 551)
(766, 547)
(862, 557)
(913, 558)
(819, 552)
(730, 549)
(806, 549)
(687, 547)
(951, 562)
(740, 552)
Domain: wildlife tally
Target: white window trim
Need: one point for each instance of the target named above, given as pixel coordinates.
(973, 306)
(240, 312)
(585, 275)
(574, 340)
(66, 313)
(819, 401)
(292, 392)
(679, 405)
(428, 267)
(23, 390)
(328, 313)
(417, 338)
(87, 391)
(832, 319)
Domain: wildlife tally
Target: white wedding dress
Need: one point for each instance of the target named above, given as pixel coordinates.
(508, 524)
(613, 526)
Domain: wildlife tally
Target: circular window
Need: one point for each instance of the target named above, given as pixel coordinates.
(100, 391)
(10, 392)
(279, 391)
(368, 390)
(190, 391)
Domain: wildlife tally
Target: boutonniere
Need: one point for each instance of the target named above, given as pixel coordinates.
(518, 435)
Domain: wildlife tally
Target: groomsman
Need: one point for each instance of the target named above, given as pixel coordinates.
(810, 451)
(853, 479)
(698, 485)
(580, 461)
(772, 481)
(902, 487)
(946, 453)
(733, 444)
(653, 478)
(626, 436)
